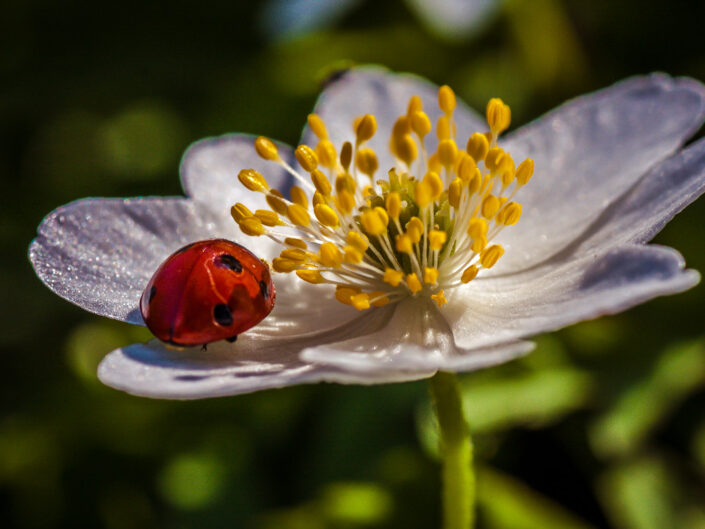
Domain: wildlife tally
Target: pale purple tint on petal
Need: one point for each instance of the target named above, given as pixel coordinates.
(551, 296)
(588, 153)
(454, 19)
(374, 90)
(250, 364)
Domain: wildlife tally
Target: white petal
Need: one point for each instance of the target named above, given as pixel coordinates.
(374, 90)
(455, 19)
(209, 172)
(640, 214)
(100, 253)
(590, 151)
(250, 364)
(415, 338)
(495, 310)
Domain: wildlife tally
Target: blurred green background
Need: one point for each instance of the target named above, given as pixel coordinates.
(602, 427)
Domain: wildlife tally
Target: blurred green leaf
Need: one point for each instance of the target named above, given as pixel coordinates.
(506, 503)
(192, 481)
(346, 504)
(648, 401)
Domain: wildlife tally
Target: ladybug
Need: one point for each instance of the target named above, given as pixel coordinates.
(207, 291)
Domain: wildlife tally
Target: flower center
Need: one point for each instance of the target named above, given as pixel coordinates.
(425, 228)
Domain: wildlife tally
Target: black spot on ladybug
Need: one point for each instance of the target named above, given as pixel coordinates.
(263, 288)
(152, 293)
(223, 315)
(181, 250)
(228, 261)
(231, 339)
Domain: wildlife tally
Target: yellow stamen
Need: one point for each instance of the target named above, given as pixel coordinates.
(412, 281)
(415, 105)
(306, 157)
(330, 255)
(455, 190)
(525, 171)
(298, 215)
(268, 218)
(393, 277)
(366, 161)
(327, 156)
(294, 254)
(360, 301)
(478, 146)
(404, 244)
(430, 276)
(469, 274)
(321, 182)
(490, 206)
(298, 196)
(345, 294)
(477, 227)
(346, 155)
(420, 123)
(491, 255)
(266, 149)
(358, 240)
(446, 99)
(239, 212)
(296, 243)
(311, 276)
(284, 266)
(275, 200)
(366, 128)
(439, 298)
(379, 297)
(393, 204)
(326, 215)
(352, 254)
(252, 226)
(498, 116)
(317, 126)
(373, 223)
(253, 180)
(447, 152)
(436, 239)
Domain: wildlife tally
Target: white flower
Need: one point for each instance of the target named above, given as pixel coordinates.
(610, 172)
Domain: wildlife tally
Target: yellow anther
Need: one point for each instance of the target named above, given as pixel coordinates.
(327, 156)
(423, 194)
(447, 152)
(420, 123)
(368, 191)
(393, 277)
(393, 205)
(401, 127)
(284, 265)
(478, 244)
(493, 160)
(525, 171)
(252, 226)
(415, 105)
(469, 274)
(321, 182)
(511, 213)
(466, 168)
(443, 131)
(475, 183)
(415, 229)
(365, 129)
(318, 199)
(507, 170)
(403, 243)
(360, 301)
(455, 192)
(317, 126)
(491, 255)
(345, 182)
(490, 206)
(295, 242)
(298, 215)
(326, 215)
(253, 180)
(239, 211)
(366, 161)
(275, 200)
(434, 164)
(266, 149)
(345, 294)
(379, 298)
(352, 254)
(430, 275)
(405, 149)
(373, 223)
(498, 116)
(478, 146)
(412, 281)
(329, 255)
(306, 157)
(383, 215)
(268, 218)
(436, 239)
(477, 228)
(346, 155)
(357, 240)
(446, 99)
(298, 196)
(294, 254)
(439, 298)
(345, 201)
(311, 276)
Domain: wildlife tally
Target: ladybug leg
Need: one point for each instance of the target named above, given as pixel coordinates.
(204, 347)
(232, 339)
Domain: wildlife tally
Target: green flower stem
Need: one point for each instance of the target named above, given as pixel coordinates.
(456, 451)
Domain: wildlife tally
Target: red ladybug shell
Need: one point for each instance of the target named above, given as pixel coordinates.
(207, 291)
